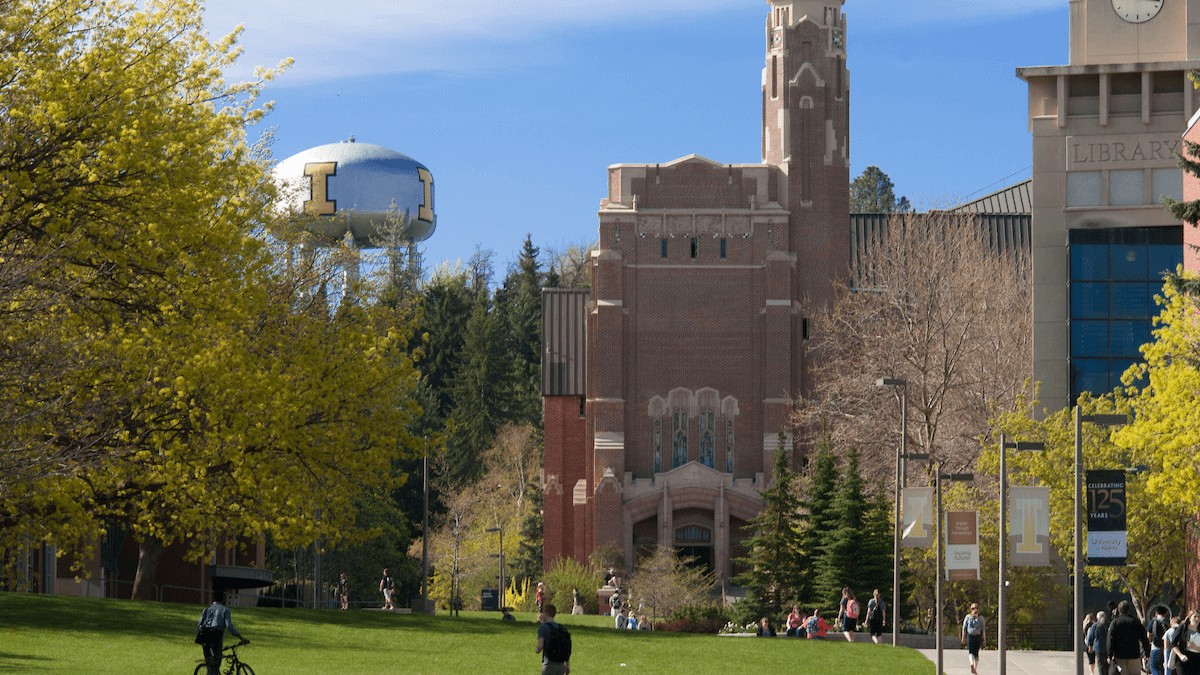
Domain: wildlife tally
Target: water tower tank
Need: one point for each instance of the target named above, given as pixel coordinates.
(351, 186)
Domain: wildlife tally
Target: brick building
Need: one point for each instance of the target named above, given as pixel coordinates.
(667, 384)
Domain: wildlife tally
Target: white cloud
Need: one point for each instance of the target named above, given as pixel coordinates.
(369, 37)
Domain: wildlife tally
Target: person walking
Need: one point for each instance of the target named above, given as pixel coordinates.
(553, 643)
(1156, 631)
(973, 635)
(1186, 646)
(1170, 660)
(1088, 621)
(1096, 640)
(1127, 642)
(343, 591)
(848, 611)
(210, 632)
(386, 586)
(876, 615)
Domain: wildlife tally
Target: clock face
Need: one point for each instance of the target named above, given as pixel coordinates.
(1137, 11)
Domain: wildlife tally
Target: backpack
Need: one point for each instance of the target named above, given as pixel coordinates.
(873, 611)
(812, 625)
(852, 608)
(557, 646)
(1157, 629)
(388, 583)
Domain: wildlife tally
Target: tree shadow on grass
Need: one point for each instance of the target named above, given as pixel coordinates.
(23, 662)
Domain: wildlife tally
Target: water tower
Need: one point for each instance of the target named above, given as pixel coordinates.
(355, 192)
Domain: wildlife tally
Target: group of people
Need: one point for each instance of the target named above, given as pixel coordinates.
(850, 615)
(1118, 643)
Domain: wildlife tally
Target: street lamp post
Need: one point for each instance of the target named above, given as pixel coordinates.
(1002, 596)
(1101, 420)
(901, 478)
(500, 577)
(425, 533)
(938, 478)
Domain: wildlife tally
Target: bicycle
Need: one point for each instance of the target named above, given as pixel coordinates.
(236, 665)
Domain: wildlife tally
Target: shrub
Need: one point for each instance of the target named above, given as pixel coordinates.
(568, 574)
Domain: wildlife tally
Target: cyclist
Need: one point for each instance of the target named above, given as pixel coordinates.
(214, 621)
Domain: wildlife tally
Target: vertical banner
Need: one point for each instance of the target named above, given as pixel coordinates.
(962, 545)
(918, 518)
(1106, 518)
(1029, 526)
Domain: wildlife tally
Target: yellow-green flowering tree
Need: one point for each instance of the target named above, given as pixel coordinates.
(161, 366)
(1161, 442)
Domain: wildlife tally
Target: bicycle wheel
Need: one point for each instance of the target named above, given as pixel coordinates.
(201, 669)
(243, 669)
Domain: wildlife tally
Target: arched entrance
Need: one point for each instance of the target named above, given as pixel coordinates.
(695, 542)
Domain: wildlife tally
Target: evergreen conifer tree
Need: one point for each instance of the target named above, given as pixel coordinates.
(821, 519)
(773, 566)
(836, 566)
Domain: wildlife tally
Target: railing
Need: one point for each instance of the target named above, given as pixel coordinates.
(1044, 636)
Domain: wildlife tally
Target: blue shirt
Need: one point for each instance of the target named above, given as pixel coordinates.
(217, 615)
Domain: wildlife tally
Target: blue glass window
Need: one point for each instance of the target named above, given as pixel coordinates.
(1129, 301)
(1089, 262)
(1115, 274)
(679, 438)
(1089, 300)
(728, 446)
(658, 445)
(708, 442)
(1089, 338)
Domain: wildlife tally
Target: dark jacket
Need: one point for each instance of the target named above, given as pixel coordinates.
(1127, 638)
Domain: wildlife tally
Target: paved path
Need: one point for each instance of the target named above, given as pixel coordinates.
(1019, 662)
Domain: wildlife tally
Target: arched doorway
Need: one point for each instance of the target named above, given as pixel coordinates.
(695, 542)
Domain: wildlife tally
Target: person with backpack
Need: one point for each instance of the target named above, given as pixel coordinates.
(817, 627)
(210, 632)
(553, 643)
(876, 613)
(1096, 640)
(387, 585)
(973, 636)
(848, 612)
(1127, 643)
(1156, 630)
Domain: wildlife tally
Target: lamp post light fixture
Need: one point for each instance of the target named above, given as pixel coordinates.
(901, 477)
(939, 477)
(1099, 420)
(499, 577)
(1001, 617)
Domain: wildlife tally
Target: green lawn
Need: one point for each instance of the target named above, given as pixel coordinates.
(80, 635)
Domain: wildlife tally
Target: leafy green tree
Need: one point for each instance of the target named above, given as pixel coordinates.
(873, 192)
(774, 571)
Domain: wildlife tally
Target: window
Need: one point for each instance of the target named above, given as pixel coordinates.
(679, 438)
(728, 446)
(723, 247)
(693, 534)
(664, 248)
(1083, 188)
(1126, 187)
(695, 247)
(658, 445)
(1115, 274)
(707, 438)
(1167, 183)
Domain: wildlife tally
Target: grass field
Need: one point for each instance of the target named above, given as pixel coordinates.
(80, 635)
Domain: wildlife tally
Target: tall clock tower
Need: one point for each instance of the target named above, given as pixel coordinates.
(1106, 128)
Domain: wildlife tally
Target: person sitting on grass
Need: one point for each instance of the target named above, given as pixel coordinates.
(817, 627)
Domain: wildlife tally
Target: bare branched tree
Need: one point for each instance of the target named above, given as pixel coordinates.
(939, 303)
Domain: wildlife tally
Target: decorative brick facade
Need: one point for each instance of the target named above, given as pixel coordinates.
(704, 287)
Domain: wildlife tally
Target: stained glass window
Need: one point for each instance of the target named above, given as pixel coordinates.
(679, 438)
(708, 441)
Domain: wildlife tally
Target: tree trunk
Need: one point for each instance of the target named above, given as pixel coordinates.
(149, 552)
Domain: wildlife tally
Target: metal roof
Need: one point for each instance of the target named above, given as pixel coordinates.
(1012, 200)
(564, 341)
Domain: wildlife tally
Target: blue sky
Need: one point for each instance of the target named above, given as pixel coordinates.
(518, 106)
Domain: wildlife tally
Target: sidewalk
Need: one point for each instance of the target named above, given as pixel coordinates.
(1019, 662)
